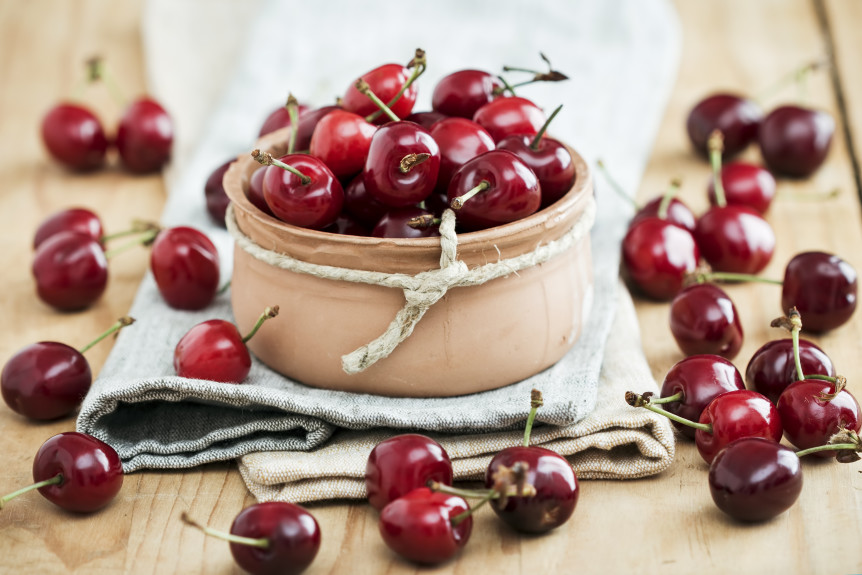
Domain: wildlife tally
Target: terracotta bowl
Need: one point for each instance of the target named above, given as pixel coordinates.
(473, 339)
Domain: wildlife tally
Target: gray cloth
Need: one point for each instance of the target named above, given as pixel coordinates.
(622, 58)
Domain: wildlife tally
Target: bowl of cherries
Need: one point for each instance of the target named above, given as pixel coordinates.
(361, 189)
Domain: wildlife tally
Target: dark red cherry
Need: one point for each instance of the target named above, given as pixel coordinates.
(309, 195)
(772, 368)
(395, 224)
(734, 415)
(308, 121)
(279, 118)
(736, 117)
(677, 213)
(71, 271)
(216, 198)
(703, 319)
(657, 257)
(73, 219)
(419, 526)
(145, 136)
(426, 119)
(735, 239)
(347, 226)
(698, 379)
(794, 141)
(754, 479)
(385, 81)
(745, 185)
(460, 140)
(549, 159)
(507, 116)
(361, 205)
(292, 535)
(511, 190)
(402, 164)
(556, 488)
(255, 190)
(185, 266)
(400, 464)
(463, 92)
(812, 412)
(822, 287)
(342, 139)
(74, 137)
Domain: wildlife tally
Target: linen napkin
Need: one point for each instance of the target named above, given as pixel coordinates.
(621, 56)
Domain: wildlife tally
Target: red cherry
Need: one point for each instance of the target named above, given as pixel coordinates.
(400, 464)
(734, 415)
(74, 137)
(754, 479)
(745, 185)
(677, 213)
(255, 190)
(426, 119)
(657, 257)
(185, 266)
(71, 271)
(73, 219)
(346, 226)
(735, 239)
(216, 197)
(508, 190)
(361, 205)
(396, 224)
(460, 140)
(771, 369)
(145, 136)
(812, 412)
(506, 116)
(463, 92)
(419, 526)
(308, 121)
(279, 118)
(385, 81)
(342, 139)
(703, 319)
(301, 190)
(794, 141)
(549, 159)
(697, 380)
(736, 117)
(822, 287)
(402, 164)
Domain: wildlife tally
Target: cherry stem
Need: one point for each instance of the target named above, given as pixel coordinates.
(678, 396)
(832, 447)
(365, 89)
(735, 277)
(410, 161)
(797, 76)
(796, 323)
(224, 288)
(56, 480)
(667, 198)
(424, 222)
(458, 202)
(293, 112)
(120, 324)
(465, 493)
(506, 87)
(716, 147)
(266, 159)
(145, 239)
(636, 400)
(262, 543)
(268, 313)
(615, 186)
(138, 227)
(96, 71)
(534, 145)
(535, 403)
(550, 76)
(470, 511)
(418, 64)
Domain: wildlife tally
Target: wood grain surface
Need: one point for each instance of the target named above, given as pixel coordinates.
(664, 524)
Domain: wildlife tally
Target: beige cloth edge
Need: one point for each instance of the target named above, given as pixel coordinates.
(614, 442)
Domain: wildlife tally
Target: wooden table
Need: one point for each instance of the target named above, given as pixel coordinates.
(666, 523)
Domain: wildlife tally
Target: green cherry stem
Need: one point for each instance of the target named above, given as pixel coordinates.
(667, 198)
(615, 185)
(465, 514)
(292, 111)
(505, 88)
(536, 402)
(716, 147)
(145, 239)
(458, 202)
(636, 400)
(261, 543)
(794, 76)
(829, 447)
(678, 396)
(465, 493)
(268, 313)
(424, 222)
(735, 277)
(138, 227)
(118, 325)
(56, 480)
(418, 64)
(363, 88)
(266, 159)
(534, 145)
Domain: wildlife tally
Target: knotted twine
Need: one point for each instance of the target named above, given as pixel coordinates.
(423, 289)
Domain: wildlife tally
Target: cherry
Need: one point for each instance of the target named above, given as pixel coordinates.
(736, 117)
(346, 226)
(48, 379)
(693, 383)
(342, 139)
(71, 271)
(657, 257)
(73, 219)
(255, 190)
(280, 118)
(459, 140)
(703, 319)
(493, 189)
(506, 116)
(822, 287)
(745, 185)
(771, 369)
(145, 136)
(396, 223)
(76, 472)
(463, 92)
(426, 119)
(425, 526)
(813, 410)
(402, 164)
(361, 205)
(794, 141)
(214, 350)
(307, 123)
(270, 538)
(185, 266)
(216, 197)
(74, 137)
(400, 464)
(392, 83)
(755, 479)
